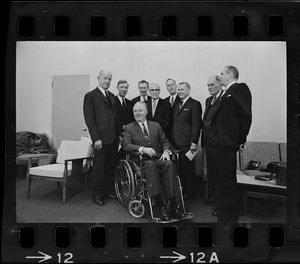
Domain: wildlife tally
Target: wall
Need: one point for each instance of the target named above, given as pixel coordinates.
(262, 65)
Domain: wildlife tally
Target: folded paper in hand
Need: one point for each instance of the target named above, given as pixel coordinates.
(190, 155)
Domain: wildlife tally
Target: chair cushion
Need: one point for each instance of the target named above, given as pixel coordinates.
(264, 152)
(51, 170)
(73, 150)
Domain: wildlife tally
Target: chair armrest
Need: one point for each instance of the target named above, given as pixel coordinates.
(66, 160)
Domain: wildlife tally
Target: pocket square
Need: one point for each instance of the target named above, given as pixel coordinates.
(185, 109)
(228, 95)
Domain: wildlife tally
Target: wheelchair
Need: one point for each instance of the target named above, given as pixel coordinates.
(130, 187)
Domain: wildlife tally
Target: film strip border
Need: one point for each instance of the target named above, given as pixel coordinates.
(155, 21)
(147, 21)
(154, 243)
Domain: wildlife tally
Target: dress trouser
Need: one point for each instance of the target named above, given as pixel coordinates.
(105, 161)
(226, 187)
(187, 172)
(160, 178)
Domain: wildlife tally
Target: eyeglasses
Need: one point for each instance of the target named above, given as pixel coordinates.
(154, 90)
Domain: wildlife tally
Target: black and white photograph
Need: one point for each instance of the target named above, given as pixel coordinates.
(151, 132)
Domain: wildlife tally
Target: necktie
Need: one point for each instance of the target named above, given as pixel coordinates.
(214, 100)
(107, 97)
(123, 102)
(180, 104)
(146, 135)
(144, 99)
(154, 104)
(172, 101)
(145, 130)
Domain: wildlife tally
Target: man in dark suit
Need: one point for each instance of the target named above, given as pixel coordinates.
(225, 131)
(215, 90)
(171, 100)
(187, 124)
(101, 117)
(124, 105)
(124, 109)
(147, 138)
(143, 87)
(159, 110)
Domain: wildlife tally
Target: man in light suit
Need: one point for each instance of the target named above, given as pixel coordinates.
(159, 110)
(215, 90)
(148, 139)
(101, 117)
(225, 131)
(187, 124)
(143, 87)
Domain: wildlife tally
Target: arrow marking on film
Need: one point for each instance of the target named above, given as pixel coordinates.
(177, 258)
(43, 258)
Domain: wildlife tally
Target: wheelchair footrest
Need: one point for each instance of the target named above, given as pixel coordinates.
(159, 221)
(188, 215)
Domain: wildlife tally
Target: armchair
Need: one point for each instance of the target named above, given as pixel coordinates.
(74, 159)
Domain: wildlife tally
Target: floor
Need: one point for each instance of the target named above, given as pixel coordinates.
(45, 206)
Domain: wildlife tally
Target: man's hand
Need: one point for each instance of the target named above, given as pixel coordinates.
(193, 147)
(98, 144)
(165, 156)
(149, 151)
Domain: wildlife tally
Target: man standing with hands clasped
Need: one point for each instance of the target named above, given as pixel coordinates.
(187, 123)
(225, 132)
(101, 117)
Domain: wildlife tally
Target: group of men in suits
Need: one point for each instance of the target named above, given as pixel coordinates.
(171, 123)
(227, 120)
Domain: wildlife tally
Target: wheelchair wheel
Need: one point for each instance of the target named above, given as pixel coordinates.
(124, 183)
(136, 209)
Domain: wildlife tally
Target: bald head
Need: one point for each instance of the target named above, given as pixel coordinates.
(140, 111)
(214, 85)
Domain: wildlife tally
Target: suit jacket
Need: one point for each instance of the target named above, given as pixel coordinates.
(125, 113)
(100, 117)
(177, 101)
(134, 138)
(167, 101)
(187, 123)
(231, 121)
(162, 115)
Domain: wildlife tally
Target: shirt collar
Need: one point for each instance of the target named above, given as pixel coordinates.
(145, 123)
(174, 97)
(102, 90)
(185, 99)
(120, 98)
(141, 97)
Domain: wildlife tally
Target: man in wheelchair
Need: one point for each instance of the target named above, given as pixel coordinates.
(146, 138)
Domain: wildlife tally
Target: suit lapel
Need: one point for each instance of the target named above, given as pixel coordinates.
(151, 131)
(101, 95)
(183, 106)
(208, 104)
(219, 106)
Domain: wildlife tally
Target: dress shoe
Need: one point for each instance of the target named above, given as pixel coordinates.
(177, 213)
(112, 195)
(164, 216)
(216, 213)
(99, 201)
